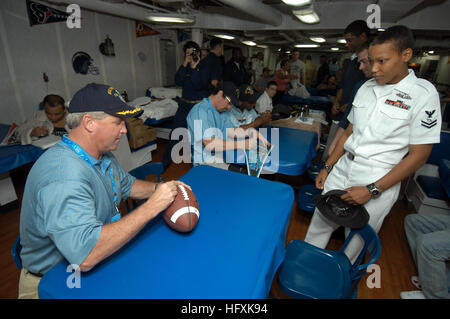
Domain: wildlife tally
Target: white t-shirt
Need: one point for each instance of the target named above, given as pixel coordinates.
(298, 68)
(264, 103)
(257, 66)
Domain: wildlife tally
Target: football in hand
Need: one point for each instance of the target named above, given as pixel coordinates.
(183, 214)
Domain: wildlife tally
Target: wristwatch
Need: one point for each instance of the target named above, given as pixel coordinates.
(374, 191)
(328, 168)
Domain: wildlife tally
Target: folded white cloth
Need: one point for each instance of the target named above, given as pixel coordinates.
(155, 110)
(165, 93)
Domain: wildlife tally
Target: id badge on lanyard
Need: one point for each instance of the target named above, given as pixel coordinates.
(80, 152)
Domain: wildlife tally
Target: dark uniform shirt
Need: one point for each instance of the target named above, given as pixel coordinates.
(194, 87)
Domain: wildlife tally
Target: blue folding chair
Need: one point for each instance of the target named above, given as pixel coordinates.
(15, 253)
(141, 172)
(314, 170)
(305, 197)
(311, 272)
(155, 168)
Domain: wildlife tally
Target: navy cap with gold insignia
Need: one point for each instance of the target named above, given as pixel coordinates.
(246, 93)
(102, 98)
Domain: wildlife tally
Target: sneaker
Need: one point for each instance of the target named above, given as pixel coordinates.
(414, 294)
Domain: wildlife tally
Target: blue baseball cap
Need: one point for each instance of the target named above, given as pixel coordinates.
(102, 98)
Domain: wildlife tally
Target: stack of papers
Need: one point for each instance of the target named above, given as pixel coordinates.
(305, 120)
(46, 141)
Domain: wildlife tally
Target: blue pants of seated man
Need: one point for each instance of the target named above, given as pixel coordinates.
(429, 239)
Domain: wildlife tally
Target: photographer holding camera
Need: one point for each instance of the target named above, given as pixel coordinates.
(190, 76)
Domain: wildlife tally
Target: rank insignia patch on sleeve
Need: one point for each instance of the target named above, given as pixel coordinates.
(429, 122)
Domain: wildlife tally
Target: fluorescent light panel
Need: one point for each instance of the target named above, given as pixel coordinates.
(171, 19)
(318, 39)
(334, 49)
(343, 41)
(297, 2)
(308, 16)
(307, 45)
(224, 36)
(250, 43)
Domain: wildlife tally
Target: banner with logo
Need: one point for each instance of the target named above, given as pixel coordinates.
(42, 14)
(141, 29)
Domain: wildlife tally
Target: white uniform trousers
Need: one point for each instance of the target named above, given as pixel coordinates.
(347, 173)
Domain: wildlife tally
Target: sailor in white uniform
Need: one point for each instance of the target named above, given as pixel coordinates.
(395, 120)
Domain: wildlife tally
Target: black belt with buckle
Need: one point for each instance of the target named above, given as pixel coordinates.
(351, 156)
(34, 274)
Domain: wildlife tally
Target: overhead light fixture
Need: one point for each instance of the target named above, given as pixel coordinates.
(303, 46)
(308, 15)
(170, 18)
(297, 2)
(224, 36)
(431, 52)
(334, 49)
(262, 46)
(250, 43)
(318, 39)
(381, 29)
(343, 41)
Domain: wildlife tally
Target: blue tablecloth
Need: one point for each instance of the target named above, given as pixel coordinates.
(292, 153)
(233, 252)
(16, 155)
(444, 174)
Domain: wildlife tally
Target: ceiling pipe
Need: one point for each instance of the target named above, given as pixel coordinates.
(140, 3)
(257, 9)
(284, 35)
(116, 9)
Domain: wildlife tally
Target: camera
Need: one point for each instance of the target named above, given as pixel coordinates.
(194, 55)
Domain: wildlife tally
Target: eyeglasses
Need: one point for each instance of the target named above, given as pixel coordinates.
(228, 99)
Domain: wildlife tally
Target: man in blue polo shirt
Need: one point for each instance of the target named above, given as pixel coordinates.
(72, 193)
(212, 131)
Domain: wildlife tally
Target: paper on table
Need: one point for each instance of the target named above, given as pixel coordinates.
(46, 141)
(305, 120)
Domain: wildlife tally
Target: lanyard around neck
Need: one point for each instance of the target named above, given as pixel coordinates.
(81, 153)
(213, 113)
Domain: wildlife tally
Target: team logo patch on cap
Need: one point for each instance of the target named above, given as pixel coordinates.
(398, 104)
(429, 122)
(113, 91)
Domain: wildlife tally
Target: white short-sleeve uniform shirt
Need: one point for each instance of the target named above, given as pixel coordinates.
(387, 119)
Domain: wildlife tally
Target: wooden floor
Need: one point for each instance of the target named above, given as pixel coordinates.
(396, 262)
